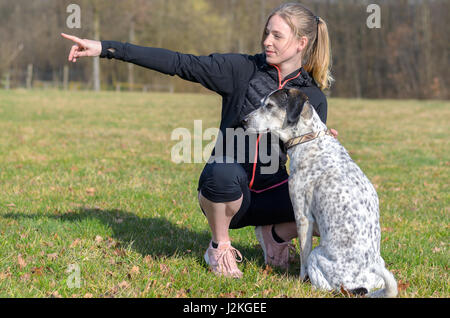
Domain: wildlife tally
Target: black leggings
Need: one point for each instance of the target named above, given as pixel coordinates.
(225, 182)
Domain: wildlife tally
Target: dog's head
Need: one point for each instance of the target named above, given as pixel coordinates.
(285, 112)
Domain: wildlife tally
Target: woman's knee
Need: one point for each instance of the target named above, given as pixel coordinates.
(223, 182)
(227, 173)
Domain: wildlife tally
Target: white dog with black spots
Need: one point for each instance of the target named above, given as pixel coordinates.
(331, 195)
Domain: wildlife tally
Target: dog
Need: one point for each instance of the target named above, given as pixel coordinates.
(330, 195)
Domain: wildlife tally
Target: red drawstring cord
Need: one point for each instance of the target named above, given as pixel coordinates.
(254, 164)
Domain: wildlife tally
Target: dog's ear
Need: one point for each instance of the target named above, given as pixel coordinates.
(307, 111)
(296, 102)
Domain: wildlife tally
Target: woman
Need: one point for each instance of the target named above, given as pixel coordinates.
(233, 194)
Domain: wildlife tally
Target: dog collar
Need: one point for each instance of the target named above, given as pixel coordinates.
(305, 138)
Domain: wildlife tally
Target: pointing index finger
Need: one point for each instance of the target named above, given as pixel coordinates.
(73, 38)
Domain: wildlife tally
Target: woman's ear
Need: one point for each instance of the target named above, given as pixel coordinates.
(302, 43)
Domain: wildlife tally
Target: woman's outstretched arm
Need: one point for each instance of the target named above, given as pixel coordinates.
(217, 72)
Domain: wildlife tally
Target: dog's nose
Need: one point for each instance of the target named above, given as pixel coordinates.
(244, 121)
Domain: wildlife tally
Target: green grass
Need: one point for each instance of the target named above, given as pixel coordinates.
(86, 179)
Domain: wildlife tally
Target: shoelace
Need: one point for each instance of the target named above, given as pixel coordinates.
(227, 261)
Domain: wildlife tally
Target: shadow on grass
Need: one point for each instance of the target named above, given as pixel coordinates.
(147, 236)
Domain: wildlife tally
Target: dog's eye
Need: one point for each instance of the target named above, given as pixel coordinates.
(269, 105)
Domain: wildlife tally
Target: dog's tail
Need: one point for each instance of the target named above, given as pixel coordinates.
(390, 284)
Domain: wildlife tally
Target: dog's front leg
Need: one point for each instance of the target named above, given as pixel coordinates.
(305, 231)
(301, 203)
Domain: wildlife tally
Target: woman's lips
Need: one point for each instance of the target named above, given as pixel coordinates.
(270, 52)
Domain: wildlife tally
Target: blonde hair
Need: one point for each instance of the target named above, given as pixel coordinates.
(317, 55)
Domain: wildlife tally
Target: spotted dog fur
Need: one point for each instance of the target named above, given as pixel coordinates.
(331, 195)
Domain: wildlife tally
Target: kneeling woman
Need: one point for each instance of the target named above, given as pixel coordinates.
(236, 193)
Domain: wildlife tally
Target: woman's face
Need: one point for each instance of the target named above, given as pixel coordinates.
(280, 44)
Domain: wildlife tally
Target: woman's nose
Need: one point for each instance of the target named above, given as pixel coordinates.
(267, 41)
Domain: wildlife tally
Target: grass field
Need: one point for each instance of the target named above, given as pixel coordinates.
(92, 206)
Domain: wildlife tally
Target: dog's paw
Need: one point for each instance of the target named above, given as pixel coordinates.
(357, 292)
(304, 275)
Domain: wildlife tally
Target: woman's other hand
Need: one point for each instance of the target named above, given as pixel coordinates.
(334, 132)
(83, 47)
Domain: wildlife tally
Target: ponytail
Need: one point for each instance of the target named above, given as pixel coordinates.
(318, 63)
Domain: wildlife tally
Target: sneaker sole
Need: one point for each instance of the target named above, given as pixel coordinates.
(259, 236)
(206, 257)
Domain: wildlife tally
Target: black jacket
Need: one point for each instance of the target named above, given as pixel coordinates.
(242, 81)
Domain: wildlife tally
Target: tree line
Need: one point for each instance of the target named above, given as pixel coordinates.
(405, 57)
